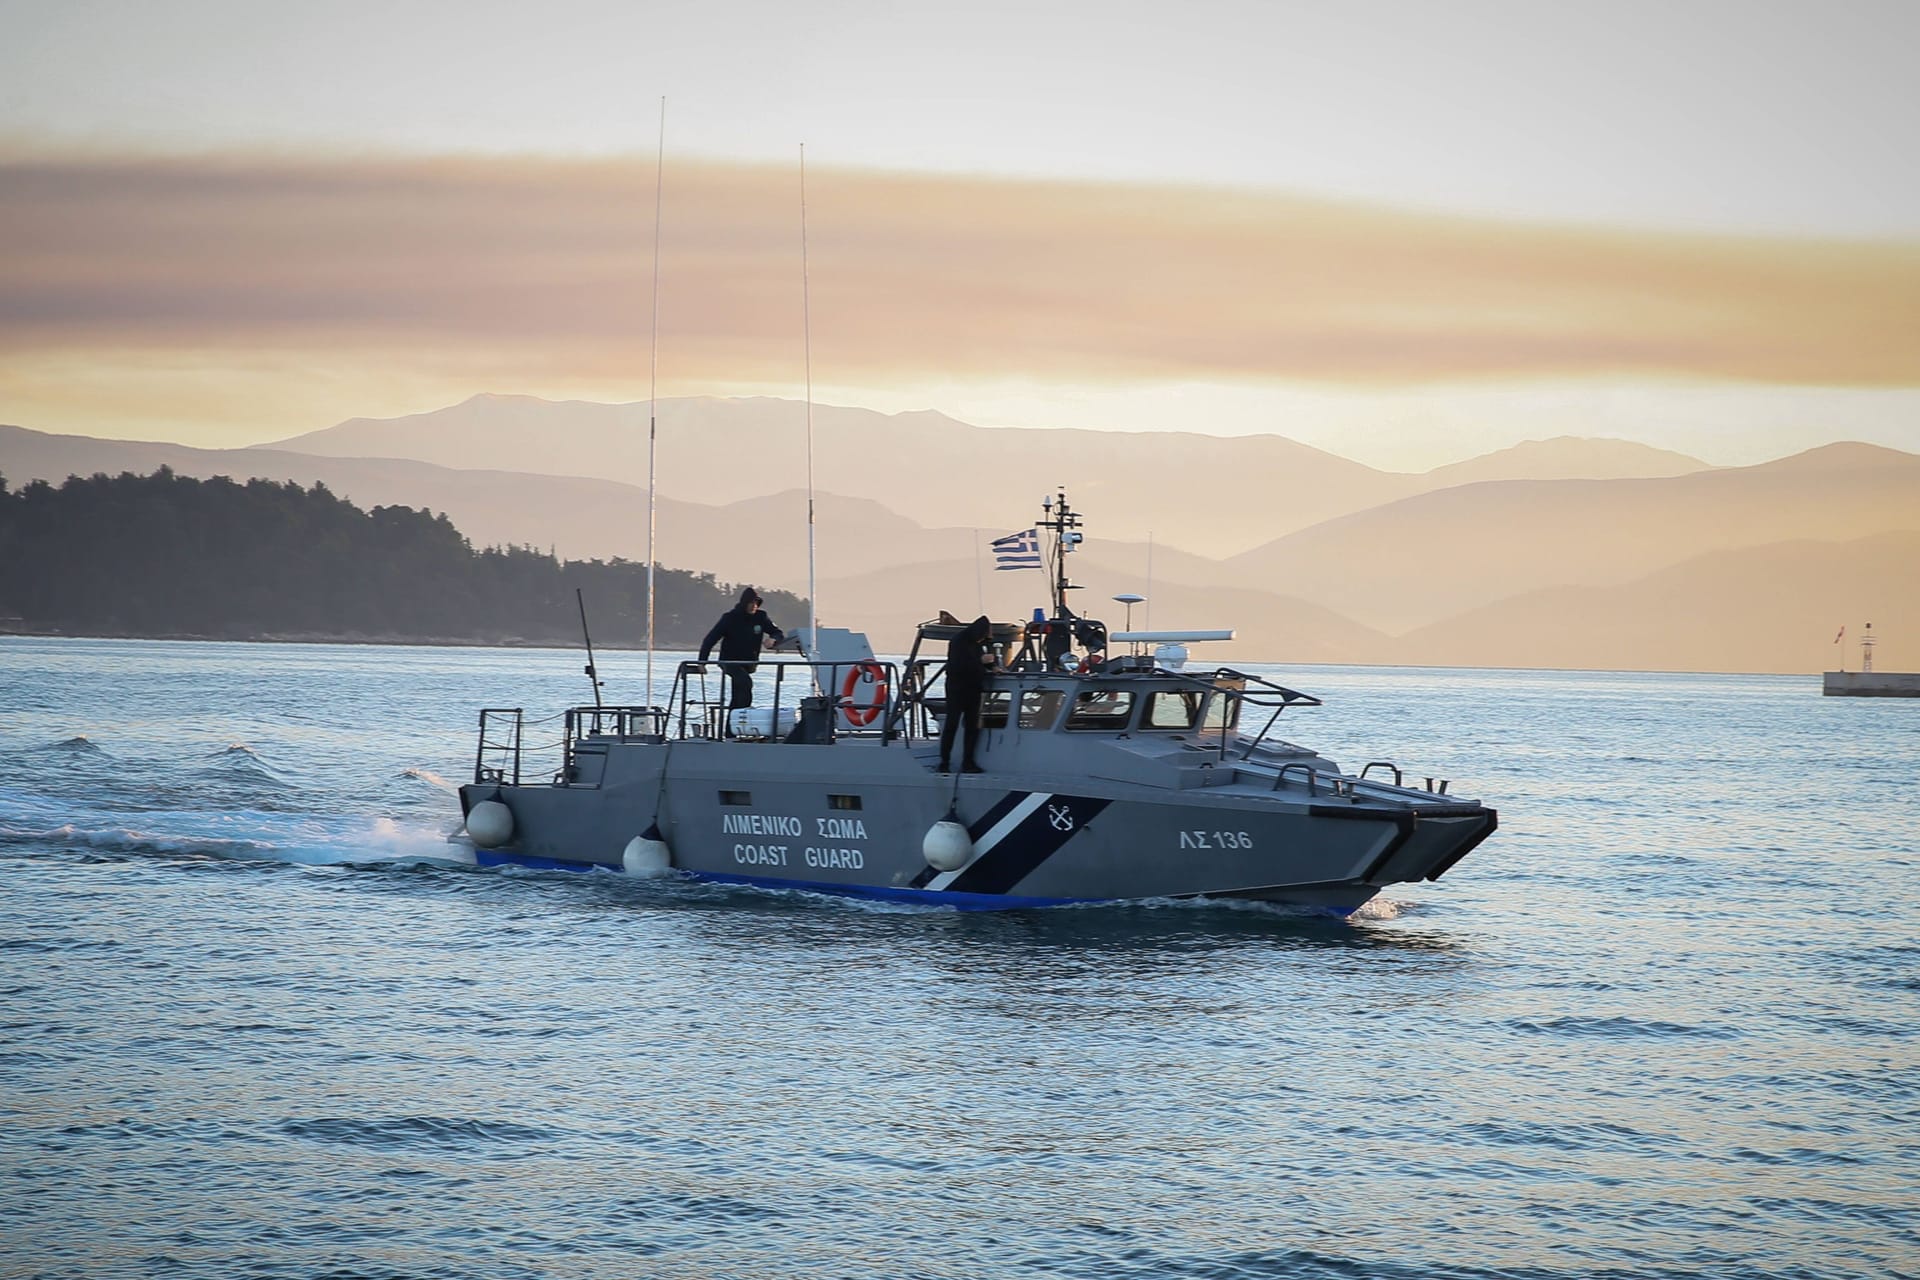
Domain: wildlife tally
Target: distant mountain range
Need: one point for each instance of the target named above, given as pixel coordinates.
(1751, 609)
(1409, 563)
(1212, 495)
(1556, 553)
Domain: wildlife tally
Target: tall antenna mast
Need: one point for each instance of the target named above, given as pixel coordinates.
(593, 672)
(1064, 521)
(806, 327)
(653, 380)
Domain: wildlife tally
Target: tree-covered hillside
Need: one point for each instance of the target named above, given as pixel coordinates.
(165, 555)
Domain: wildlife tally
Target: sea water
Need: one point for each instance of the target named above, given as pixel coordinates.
(1665, 1023)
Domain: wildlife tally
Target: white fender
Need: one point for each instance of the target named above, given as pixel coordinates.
(646, 856)
(490, 824)
(947, 846)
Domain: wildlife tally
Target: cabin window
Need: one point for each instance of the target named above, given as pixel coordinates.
(843, 802)
(1223, 710)
(736, 797)
(1171, 709)
(993, 709)
(1101, 709)
(1040, 708)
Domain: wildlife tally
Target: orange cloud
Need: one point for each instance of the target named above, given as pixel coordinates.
(542, 268)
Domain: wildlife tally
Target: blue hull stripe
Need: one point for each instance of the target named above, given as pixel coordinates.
(929, 897)
(958, 901)
(494, 858)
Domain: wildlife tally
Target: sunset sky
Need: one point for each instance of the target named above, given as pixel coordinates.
(1403, 232)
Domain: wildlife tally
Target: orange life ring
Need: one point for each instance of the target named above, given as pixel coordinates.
(866, 713)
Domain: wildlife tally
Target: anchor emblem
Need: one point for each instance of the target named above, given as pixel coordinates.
(1061, 816)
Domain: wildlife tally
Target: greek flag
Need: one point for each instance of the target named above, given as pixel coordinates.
(1017, 550)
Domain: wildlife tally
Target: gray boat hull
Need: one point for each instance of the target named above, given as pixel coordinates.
(850, 817)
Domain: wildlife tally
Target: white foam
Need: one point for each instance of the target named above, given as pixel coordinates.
(432, 779)
(276, 837)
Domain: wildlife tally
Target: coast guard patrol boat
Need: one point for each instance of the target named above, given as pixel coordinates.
(1106, 778)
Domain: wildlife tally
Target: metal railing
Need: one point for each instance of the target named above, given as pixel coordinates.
(506, 723)
(1388, 765)
(1340, 785)
(696, 711)
(1347, 786)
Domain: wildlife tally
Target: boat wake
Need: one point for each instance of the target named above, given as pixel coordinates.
(1375, 909)
(1381, 909)
(429, 777)
(245, 836)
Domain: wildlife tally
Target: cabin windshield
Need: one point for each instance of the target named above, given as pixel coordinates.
(993, 709)
(1101, 709)
(1171, 709)
(1223, 707)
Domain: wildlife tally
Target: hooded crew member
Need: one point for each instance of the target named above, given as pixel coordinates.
(741, 633)
(968, 659)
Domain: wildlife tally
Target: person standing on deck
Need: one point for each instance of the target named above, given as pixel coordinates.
(742, 632)
(968, 660)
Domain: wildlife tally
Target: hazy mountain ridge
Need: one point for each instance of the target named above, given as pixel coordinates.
(1567, 458)
(1214, 496)
(760, 540)
(1413, 562)
(577, 517)
(1333, 592)
(940, 471)
(1768, 608)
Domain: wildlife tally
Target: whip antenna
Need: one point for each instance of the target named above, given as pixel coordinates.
(593, 672)
(653, 381)
(806, 329)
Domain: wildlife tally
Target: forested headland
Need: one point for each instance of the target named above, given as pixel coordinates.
(169, 556)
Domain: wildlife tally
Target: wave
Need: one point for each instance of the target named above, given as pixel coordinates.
(79, 744)
(128, 840)
(1621, 1028)
(415, 1131)
(239, 758)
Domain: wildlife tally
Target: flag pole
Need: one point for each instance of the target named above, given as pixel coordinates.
(979, 577)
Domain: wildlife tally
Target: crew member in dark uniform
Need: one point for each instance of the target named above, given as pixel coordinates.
(969, 657)
(741, 633)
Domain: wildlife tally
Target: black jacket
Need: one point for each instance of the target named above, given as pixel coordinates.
(968, 658)
(738, 634)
